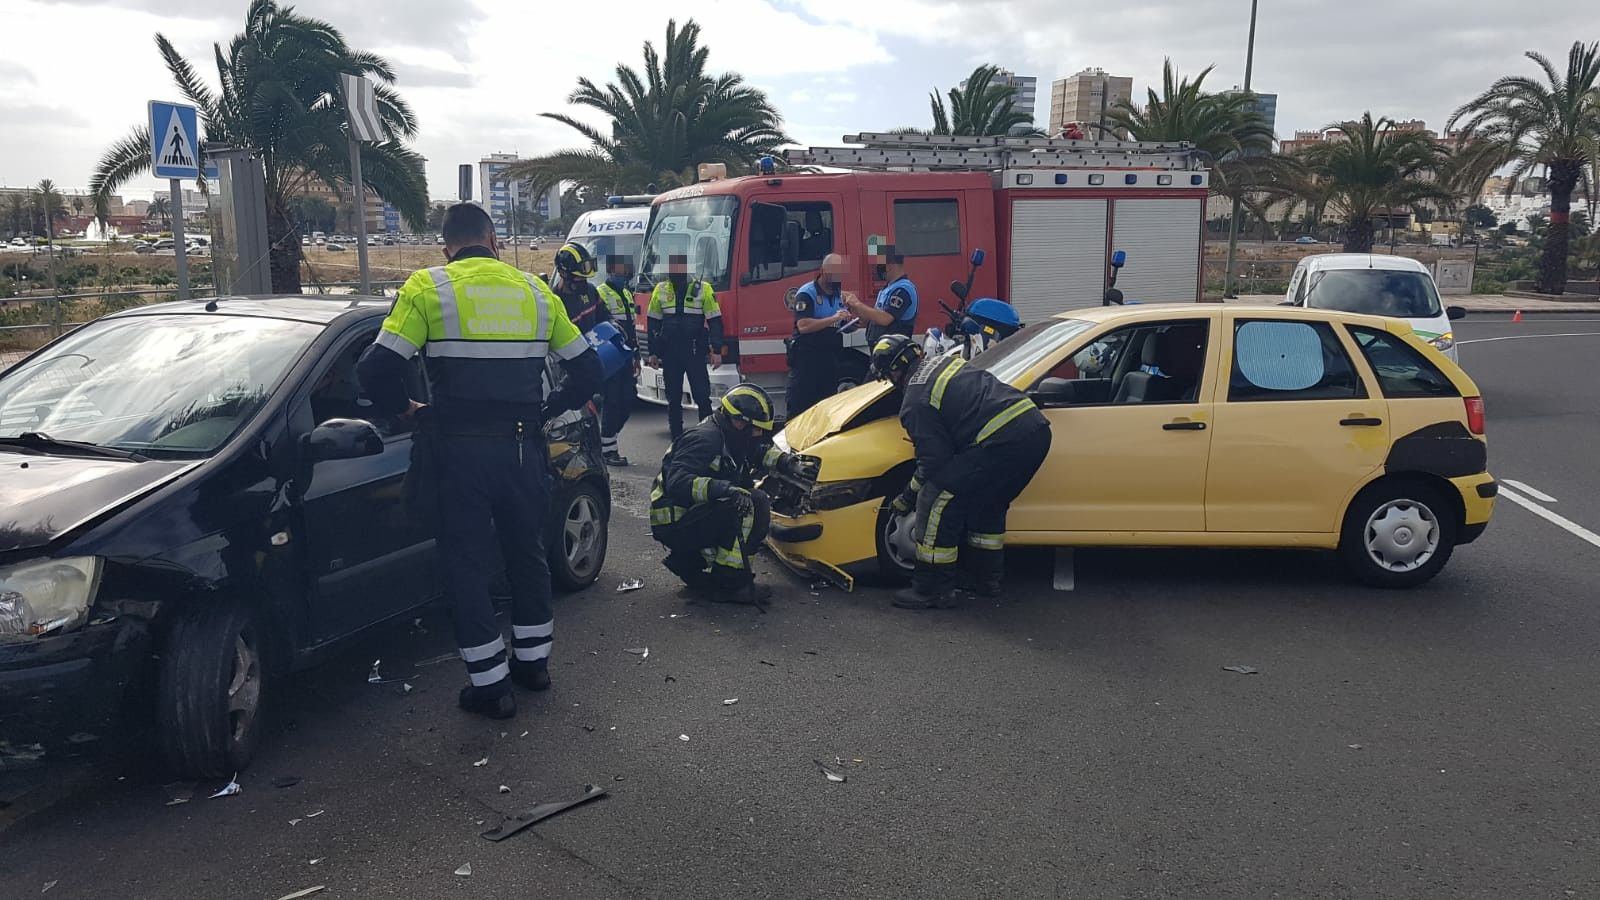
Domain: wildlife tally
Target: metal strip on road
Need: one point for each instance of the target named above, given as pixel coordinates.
(1524, 337)
(1559, 521)
(1530, 490)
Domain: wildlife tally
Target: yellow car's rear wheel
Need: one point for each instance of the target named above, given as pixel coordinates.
(1398, 533)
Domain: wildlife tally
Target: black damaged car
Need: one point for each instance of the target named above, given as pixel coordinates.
(176, 528)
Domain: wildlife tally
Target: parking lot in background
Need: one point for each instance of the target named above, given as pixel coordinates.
(1441, 742)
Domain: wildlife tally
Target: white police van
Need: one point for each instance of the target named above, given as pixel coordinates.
(611, 232)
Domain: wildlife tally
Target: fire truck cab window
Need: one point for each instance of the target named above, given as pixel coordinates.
(814, 223)
(927, 227)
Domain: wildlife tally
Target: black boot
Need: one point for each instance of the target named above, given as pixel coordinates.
(494, 701)
(535, 676)
(690, 567)
(984, 571)
(737, 589)
(932, 587)
(613, 458)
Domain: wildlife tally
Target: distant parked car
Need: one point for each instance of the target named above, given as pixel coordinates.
(1305, 239)
(335, 248)
(305, 242)
(144, 247)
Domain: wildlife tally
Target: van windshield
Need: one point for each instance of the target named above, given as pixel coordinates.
(1375, 292)
(700, 228)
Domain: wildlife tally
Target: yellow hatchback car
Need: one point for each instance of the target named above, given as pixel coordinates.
(1184, 426)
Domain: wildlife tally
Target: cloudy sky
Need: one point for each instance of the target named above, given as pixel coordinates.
(75, 74)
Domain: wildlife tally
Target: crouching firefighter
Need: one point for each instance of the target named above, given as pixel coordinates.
(703, 506)
(978, 442)
(484, 331)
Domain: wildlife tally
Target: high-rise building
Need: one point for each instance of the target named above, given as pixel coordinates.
(501, 195)
(1027, 86)
(1085, 97)
(1266, 105)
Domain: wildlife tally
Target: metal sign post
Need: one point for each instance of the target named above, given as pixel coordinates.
(365, 125)
(175, 155)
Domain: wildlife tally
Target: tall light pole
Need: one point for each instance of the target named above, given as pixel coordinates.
(1233, 220)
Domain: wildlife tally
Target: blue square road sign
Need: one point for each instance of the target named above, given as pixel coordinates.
(174, 140)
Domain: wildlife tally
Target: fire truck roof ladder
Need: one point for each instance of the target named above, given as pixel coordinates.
(944, 152)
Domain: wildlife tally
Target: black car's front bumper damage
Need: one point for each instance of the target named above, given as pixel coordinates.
(70, 685)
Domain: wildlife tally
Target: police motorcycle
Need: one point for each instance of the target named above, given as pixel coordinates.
(975, 325)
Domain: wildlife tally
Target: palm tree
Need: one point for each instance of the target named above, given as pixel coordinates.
(279, 95)
(1226, 127)
(662, 123)
(1370, 170)
(980, 106)
(161, 211)
(49, 206)
(1525, 123)
(18, 213)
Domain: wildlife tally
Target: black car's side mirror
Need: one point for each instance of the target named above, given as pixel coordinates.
(1455, 312)
(342, 439)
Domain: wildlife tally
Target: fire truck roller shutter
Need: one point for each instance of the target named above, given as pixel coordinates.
(1058, 255)
(1162, 238)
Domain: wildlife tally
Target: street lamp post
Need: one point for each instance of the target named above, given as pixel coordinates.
(1233, 220)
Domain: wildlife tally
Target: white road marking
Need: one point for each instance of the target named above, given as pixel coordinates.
(1525, 337)
(1533, 492)
(1559, 521)
(1065, 577)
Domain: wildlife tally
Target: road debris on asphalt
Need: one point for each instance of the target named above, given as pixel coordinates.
(1354, 746)
(504, 789)
(317, 860)
(765, 663)
(641, 652)
(313, 815)
(465, 870)
(630, 584)
(514, 824)
(317, 889)
(374, 677)
(229, 789)
(295, 821)
(286, 781)
(179, 792)
(1242, 670)
(678, 616)
(683, 737)
(828, 772)
(809, 652)
(47, 886)
(481, 763)
(730, 701)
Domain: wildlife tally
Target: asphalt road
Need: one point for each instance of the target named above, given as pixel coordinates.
(1438, 743)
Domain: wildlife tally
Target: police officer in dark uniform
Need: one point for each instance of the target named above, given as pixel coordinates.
(622, 389)
(895, 311)
(978, 442)
(703, 506)
(684, 325)
(485, 331)
(575, 265)
(814, 347)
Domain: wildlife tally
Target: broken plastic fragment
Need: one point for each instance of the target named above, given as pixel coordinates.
(229, 789)
(641, 652)
(481, 763)
(305, 893)
(47, 886)
(630, 584)
(1242, 670)
(313, 815)
(317, 860)
(765, 663)
(683, 737)
(465, 870)
(1354, 746)
(678, 616)
(828, 772)
(285, 781)
(524, 734)
(405, 688)
(513, 824)
(296, 821)
(374, 677)
(504, 789)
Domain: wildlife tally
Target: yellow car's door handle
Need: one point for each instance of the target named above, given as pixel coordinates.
(1361, 421)
(1184, 426)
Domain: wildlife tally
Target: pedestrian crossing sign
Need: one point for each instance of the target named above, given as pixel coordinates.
(174, 141)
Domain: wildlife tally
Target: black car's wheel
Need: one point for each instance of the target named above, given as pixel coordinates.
(897, 548)
(578, 535)
(1397, 534)
(212, 683)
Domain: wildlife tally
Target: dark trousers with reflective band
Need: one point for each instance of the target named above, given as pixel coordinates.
(811, 379)
(715, 540)
(967, 520)
(675, 366)
(494, 501)
(616, 404)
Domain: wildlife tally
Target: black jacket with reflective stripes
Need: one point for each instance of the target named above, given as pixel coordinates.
(952, 411)
(700, 466)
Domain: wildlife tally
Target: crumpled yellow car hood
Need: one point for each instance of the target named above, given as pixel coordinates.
(832, 415)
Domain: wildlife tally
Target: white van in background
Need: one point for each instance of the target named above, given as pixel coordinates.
(1377, 285)
(611, 232)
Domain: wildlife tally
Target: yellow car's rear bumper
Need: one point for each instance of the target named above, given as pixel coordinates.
(1477, 501)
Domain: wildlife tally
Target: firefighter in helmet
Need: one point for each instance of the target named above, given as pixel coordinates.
(704, 507)
(978, 443)
(575, 265)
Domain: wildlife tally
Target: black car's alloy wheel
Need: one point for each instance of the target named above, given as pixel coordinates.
(212, 686)
(577, 538)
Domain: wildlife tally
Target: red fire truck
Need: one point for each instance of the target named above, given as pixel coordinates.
(1047, 213)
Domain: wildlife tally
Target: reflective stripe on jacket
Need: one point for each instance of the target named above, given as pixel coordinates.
(951, 410)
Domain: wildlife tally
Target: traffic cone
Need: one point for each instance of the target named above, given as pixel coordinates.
(1517, 318)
